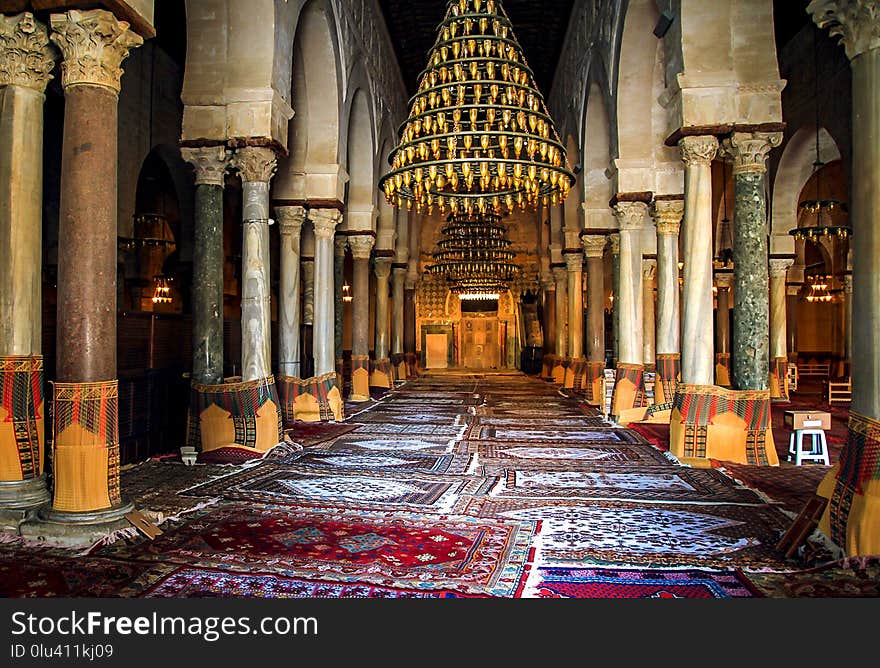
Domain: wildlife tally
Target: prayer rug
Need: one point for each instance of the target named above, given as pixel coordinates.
(672, 484)
(410, 429)
(156, 486)
(578, 423)
(273, 483)
(591, 435)
(310, 433)
(847, 579)
(614, 532)
(349, 461)
(654, 433)
(792, 486)
(204, 583)
(385, 443)
(409, 417)
(637, 583)
(341, 545)
(34, 575)
(563, 453)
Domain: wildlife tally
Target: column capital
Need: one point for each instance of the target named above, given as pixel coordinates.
(560, 275)
(856, 22)
(210, 162)
(614, 240)
(698, 149)
(548, 284)
(339, 244)
(631, 215)
(779, 266)
(793, 289)
(594, 244)
(649, 268)
(398, 273)
(361, 245)
(382, 267)
(290, 219)
(749, 150)
(574, 262)
(724, 280)
(667, 214)
(26, 54)
(255, 164)
(848, 283)
(93, 44)
(324, 222)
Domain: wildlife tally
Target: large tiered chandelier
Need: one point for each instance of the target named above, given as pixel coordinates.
(474, 255)
(479, 138)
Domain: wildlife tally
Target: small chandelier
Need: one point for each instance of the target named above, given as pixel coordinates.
(346, 292)
(819, 290)
(161, 290)
(479, 137)
(474, 255)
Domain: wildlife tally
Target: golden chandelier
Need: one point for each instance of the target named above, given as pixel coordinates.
(479, 138)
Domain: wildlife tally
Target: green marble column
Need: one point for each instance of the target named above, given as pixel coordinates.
(338, 280)
(750, 350)
(615, 288)
(210, 164)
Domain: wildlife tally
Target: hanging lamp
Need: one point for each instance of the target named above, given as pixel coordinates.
(479, 137)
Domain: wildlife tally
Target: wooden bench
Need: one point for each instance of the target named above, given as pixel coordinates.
(816, 369)
(839, 391)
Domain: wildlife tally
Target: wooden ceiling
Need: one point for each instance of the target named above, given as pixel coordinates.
(539, 25)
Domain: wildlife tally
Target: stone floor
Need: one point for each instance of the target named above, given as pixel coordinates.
(457, 484)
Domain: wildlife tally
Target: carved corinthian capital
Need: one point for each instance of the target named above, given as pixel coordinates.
(325, 221)
(382, 267)
(698, 150)
(667, 215)
(631, 215)
(256, 164)
(93, 44)
(749, 150)
(614, 240)
(594, 244)
(779, 266)
(26, 55)
(856, 22)
(210, 163)
(361, 245)
(290, 219)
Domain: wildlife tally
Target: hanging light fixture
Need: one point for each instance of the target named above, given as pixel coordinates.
(819, 290)
(474, 255)
(820, 217)
(161, 290)
(346, 292)
(479, 138)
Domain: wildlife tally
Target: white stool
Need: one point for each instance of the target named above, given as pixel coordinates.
(817, 451)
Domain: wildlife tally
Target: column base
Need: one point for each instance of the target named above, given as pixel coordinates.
(412, 365)
(382, 374)
(360, 378)
(313, 399)
(594, 384)
(18, 495)
(398, 365)
(579, 376)
(557, 372)
(722, 369)
(568, 377)
(779, 378)
(70, 529)
(246, 415)
(547, 366)
(852, 518)
(668, 375)
(710, 422)
(629, 393)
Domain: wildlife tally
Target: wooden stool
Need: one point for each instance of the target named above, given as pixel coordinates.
(818, 448)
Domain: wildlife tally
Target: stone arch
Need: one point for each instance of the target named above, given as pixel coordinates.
(313, 171)
(388, 216)
(360, 154)
(795, 169)
(572, 206)
(596, 159)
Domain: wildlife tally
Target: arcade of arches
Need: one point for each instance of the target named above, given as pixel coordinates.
(195, 253)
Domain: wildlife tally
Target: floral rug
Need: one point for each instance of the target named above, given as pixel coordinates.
(44, 576)
(561, 453)
(350, 461)
(324, 543)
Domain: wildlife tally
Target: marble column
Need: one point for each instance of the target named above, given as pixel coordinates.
(574, 265)
(848, 321)
(697, 356)
(724, 282)
(26, 60)
(361, 247)
(778, 339)
(560, 276)
(853, 487)
(210, 165)
(255, 165)
(751, 321)
(792, 291)
(649, 324)
(86, 458)
(631, 218)
(614, 240)
(549, 302)
(290, 222)
(398, 281)
(324, 222)
(667, 218)
(339, 245)
(383, 273)
(594, 249)
(409, 320)
(307, 272)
